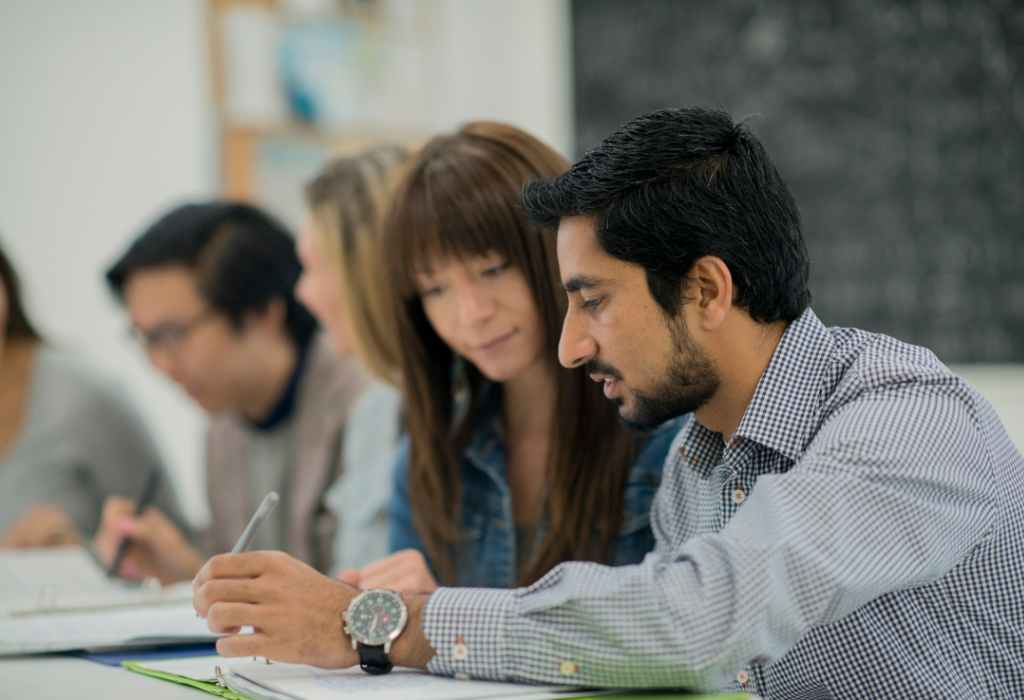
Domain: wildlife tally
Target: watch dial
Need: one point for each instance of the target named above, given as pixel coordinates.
(377, 615)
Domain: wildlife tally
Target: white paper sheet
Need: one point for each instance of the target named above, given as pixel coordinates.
(136, 626)
(69, 580)
(24, 570)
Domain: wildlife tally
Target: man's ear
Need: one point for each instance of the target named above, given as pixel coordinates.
(710, 288)
(269, 319)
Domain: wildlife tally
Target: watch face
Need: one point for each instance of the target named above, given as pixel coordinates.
(375, 617)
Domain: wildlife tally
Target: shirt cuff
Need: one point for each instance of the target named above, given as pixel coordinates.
(466, 627)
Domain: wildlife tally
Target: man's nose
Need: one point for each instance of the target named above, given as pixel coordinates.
(576, 347)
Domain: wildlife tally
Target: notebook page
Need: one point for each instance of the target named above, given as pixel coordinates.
(107, 628)
(68, 579)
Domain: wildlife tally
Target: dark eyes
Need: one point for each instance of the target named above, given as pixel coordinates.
(489, 272)
(494, 270)
(591, 304)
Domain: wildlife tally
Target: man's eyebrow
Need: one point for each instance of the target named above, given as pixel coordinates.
(579, 282)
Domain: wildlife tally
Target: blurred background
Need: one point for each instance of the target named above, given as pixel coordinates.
(899, 126)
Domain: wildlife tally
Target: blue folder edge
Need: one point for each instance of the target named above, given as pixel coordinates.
(114, 657)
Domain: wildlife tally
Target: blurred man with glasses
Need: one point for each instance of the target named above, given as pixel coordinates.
(209, 290)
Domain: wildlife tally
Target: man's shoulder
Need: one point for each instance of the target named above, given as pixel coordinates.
(329, 378)
(880, 384)
(864, 364)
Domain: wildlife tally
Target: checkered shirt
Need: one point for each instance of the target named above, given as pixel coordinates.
(862, 536)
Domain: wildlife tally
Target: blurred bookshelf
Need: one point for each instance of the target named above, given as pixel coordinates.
(296, 83)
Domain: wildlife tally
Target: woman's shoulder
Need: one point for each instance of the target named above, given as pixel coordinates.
(75, 389)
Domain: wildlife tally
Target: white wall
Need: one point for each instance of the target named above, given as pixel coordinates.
(106, 120)
(509, 61)
(1003, 387)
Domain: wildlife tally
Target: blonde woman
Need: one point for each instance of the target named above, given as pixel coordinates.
(341, 284)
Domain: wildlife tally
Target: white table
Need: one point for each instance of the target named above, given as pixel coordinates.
(61, 677)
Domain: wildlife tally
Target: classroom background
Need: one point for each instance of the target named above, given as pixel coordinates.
(899, 126)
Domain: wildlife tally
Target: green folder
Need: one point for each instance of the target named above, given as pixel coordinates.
(206, 686)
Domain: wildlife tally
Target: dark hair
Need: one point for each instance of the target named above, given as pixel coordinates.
(242, 257)
(460, 198)
(675, 185)
(18, 324)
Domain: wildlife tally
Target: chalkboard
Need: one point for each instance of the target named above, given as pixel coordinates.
(899, 127)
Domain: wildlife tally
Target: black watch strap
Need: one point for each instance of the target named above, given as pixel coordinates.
(373, 660)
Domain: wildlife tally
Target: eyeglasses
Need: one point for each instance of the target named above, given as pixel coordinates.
(169, 336)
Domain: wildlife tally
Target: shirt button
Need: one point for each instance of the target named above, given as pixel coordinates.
(459, 649)
(742, 677)
(568, 668)
(738, 496)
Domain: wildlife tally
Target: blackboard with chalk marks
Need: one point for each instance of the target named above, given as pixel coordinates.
(898, 125)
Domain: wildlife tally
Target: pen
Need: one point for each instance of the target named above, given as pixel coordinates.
(145, 499)
(265, 509)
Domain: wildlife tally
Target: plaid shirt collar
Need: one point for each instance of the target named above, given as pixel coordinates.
(785, 410)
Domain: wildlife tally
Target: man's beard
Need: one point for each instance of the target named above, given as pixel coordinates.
(690, 381)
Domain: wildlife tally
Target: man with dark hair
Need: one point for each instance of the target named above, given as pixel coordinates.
(210, 291)
(839, 521)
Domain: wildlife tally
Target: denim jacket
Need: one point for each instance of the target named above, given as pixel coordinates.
(487, 556)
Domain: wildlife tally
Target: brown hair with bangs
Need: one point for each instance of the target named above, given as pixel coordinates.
(461, 198)
(347, 199)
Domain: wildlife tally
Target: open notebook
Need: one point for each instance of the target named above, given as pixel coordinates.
(257, 680)
(60, 599)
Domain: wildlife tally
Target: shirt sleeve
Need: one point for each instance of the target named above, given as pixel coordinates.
(117, 453)
(893, 492)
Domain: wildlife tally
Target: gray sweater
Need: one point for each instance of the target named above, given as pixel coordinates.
(80, 443)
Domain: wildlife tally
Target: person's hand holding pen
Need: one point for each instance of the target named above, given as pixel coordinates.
(156, 548)
(295, 612)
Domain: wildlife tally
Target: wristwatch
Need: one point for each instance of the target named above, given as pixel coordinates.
(373, 620)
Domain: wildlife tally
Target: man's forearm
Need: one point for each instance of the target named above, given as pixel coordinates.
(412, 649)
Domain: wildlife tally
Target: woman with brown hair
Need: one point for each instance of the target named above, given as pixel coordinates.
(513, 464)
(68, 437)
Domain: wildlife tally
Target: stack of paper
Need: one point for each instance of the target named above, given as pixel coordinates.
(69, 579)
(60, 599)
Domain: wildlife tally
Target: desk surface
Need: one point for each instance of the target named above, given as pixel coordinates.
(53, 677)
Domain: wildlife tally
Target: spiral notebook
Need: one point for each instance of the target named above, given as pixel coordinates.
(258, 680)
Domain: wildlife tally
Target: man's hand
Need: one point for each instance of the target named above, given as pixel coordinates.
(44, 525)
(156, 548)
(405, 571)
(295, 612)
